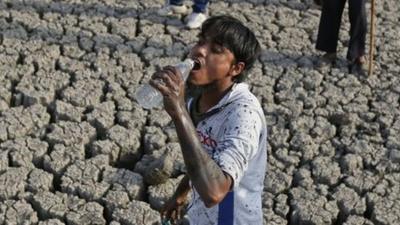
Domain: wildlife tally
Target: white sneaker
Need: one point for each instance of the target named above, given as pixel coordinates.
(168, 10)
(195, 20)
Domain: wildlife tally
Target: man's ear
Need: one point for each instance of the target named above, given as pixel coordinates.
(237, 69)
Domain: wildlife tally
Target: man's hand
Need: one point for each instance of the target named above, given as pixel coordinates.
(172, 209)
(169, 82)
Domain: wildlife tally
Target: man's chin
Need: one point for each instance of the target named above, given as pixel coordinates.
(194, 83)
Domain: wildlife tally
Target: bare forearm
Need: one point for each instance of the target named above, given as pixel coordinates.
(205, 174)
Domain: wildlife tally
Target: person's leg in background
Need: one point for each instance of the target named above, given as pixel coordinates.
(358, 33)
(173, 7)
(200, 6)
(199, 14)
(329, 26)
(175, 2)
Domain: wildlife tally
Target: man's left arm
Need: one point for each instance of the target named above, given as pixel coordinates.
(210, 181)
(208, 178)
(215, 177)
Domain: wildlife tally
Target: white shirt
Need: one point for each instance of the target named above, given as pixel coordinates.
(236, 139)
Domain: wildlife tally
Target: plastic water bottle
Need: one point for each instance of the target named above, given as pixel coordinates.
(148, 97)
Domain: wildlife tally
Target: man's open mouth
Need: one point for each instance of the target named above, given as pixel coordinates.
(197, 64)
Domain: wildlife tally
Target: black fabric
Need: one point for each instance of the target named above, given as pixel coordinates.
(329, 27)
(194, 114)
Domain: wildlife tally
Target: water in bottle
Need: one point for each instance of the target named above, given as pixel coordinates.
(149, 97)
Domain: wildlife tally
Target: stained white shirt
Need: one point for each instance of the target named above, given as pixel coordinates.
(236, 139)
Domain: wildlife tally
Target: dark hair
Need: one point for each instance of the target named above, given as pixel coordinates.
(233, 35)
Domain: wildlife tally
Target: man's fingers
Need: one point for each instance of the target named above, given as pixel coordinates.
(170, 84)
(166, 215)
(176, 75)
(179, 213)
(163, 211)
(171, 80)
(160, 86)
(173, 73)
(169, 77)
(174, 215)
(167, 87)
(162, 216)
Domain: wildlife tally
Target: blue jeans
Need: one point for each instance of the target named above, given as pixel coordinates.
(199, 6)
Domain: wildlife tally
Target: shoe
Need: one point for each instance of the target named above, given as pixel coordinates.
(358, 66)
(327, 59)
(195, 20)
(168, 10)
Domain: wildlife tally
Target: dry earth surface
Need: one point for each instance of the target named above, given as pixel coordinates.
(76, 149)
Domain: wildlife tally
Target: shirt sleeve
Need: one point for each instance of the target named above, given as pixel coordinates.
(240, 141)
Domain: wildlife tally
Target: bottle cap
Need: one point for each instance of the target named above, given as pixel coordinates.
(189, 61)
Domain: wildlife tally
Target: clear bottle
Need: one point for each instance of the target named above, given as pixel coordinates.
(149, 97)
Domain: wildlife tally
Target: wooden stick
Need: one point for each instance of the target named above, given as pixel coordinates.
(372, 39)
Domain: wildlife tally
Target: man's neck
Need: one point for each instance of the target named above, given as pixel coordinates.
(211, 96)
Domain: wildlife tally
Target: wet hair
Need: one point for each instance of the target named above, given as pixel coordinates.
(232, 34)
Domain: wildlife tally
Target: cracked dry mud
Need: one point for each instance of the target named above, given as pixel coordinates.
(75, 148)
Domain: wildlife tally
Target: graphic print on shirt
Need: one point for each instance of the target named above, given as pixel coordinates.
(206, 139)
(231, 137)
(210, 144)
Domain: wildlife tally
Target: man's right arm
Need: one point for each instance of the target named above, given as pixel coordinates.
(173, 207)
(183, 187)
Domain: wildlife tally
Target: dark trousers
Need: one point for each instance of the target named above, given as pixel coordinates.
(199, 6)
(328, 32)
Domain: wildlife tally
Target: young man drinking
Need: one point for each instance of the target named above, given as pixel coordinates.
(221, 129)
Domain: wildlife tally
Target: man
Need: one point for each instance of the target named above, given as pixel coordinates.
(222, 130)
(328, 32)
(195, 19)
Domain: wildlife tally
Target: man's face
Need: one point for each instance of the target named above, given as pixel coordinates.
(216, 64)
